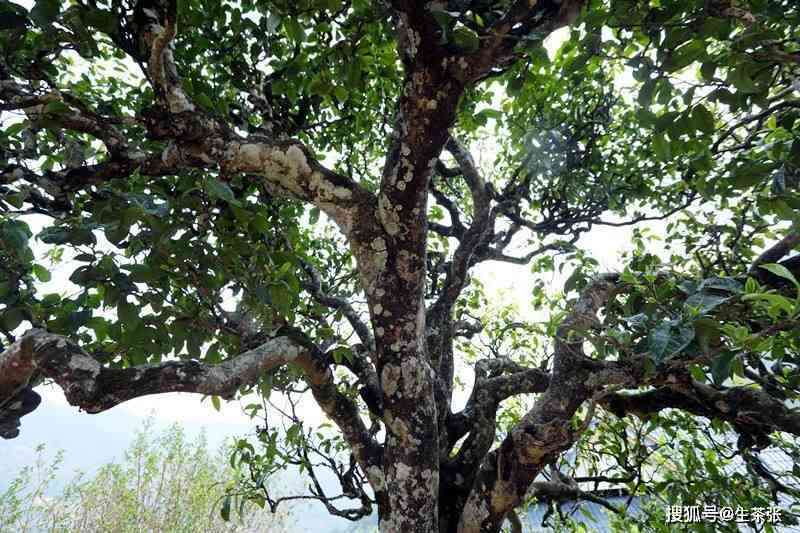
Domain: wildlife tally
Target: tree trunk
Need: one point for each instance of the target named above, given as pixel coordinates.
(410, 458)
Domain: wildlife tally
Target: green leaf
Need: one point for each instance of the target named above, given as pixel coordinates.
(340, 93)
(707, 70)
(127, 313)
(704, 302)
(215, 401)
(703, 119)
(220, 190)
(56, 107)
(751, 286)
(41, 273)
(294, 30)
(646, 117)
(721, 367)
(12, 318)
(280, 298)
(685, 55)
(444, 18)
(204, 100)
(82, 275)
(721, 284)
(668, 339)
(260, 223)
(16, 128)
(637, 321)
(15, 234)
(354, 75)
(116, 232)
(342, 353)
(265, 387)
(225, 511)
(776, 301)
(646, 93)
(54, 235)
(575, 281)
(740, 79)
(273, 22)
(466, 39)
(319, 86)
(515, 85)
(666, 121)
(784, 210)
(782, 271)
(706, 331)
(697, 373)
(749, 174)
(661, 147)
(78, 319)
(293, 433)
(102, 20)
(141, 273)
(313, 215)
(45, 11)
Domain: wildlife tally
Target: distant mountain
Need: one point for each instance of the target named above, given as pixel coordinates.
(366, 525)
(88, 441)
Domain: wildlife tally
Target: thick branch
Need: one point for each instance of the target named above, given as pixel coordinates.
(72, 114)
(87, 384)
(495, 381)
(545, 431)
(521, 19)
(750, 410)
(198, 141)
(472, 237)
(439, 315)
(549, 491)
(162, 69)
(775, 252)
(61, 183)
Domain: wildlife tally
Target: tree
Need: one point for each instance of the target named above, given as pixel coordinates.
(313, 162)
(164, 483)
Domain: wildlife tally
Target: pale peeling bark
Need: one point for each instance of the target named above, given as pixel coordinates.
(434, 82)
(157, 36)
(288, 167)
(87, 384)
(406, 380)
(411, 466)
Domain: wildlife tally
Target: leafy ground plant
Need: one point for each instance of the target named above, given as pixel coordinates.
(164, 483)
